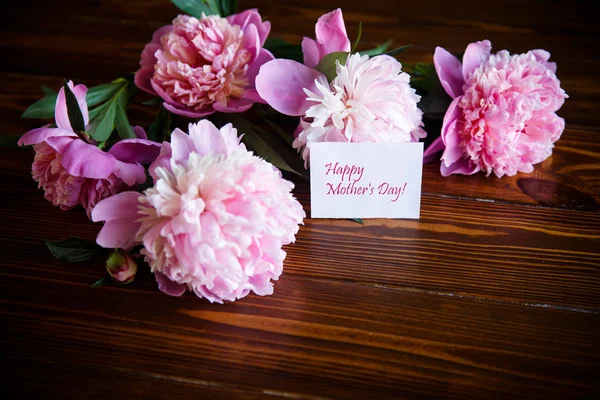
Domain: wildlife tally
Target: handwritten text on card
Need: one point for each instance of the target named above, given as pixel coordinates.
(366, 180)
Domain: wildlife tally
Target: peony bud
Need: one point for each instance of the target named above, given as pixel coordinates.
(121, 267)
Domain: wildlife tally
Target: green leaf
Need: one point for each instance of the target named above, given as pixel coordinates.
(360, 221)
(327, 65)
(357, 38)
(196, 8)
(101, 282)
(43, 108)
(101, 93)
(47, 91)
(104, 123)
(283, 49)
(228, 7)
(161, 127)
(96, 111)
(10, 140)
(73, 110)
(398, 50)
(377, 50)
(258, 141)
(423, 76)
(153, 102)
(286, 136)
(73, 249)
(122, 124)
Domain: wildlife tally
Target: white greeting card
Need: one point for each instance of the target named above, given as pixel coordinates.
(365, 180)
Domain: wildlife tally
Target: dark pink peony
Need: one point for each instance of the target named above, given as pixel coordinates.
(199, 66)
(503, 118)
(74, 172)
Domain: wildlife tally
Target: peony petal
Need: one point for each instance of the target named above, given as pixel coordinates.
(163, 160)
(336, 42)
(331, 33)
(130, 173)
(118, 233)
(168, 286)
(452, 114)
(120, 213)
(142, 79)
(206, 138)
(86, 160)
(282, 82)
(135, 150)
(39, 135)
(188, 113)
(60, 143)
(460, 167)
(119, 206)
(251, 17)
(231, 139)
(143, 76)
(251, 41)
(234, 105)
(61, 115)
(181, 145)
(543, 56)
(310, 49)
(254, 67)
(161, 93)
(449, 71)
(475, 54)
(453, 152)
(139, 132)
(253, 96)
(432, 150)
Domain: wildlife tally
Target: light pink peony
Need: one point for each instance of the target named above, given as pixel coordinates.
(199, 66)
(503, 117)
(72, 171)
(370, 99)
(213, 223)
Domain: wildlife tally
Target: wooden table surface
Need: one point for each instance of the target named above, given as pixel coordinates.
(493, 293)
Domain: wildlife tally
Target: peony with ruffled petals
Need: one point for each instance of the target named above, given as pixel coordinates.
(213, 223)
(75, 172)
(503, 118)
(369, 100)
(199, 66)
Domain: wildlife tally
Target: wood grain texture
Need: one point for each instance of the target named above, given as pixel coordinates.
(332, 338)
(493, 293)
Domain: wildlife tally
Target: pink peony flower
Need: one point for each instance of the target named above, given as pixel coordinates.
(199, 66)
(213, 223)
(370, 99)
(503, 117)
(72, 171)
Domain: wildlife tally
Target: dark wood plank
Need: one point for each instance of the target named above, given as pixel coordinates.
(34, 378)
(461, 246)
(64, 30)
(570, 178)
(312, 338)
(494, 293)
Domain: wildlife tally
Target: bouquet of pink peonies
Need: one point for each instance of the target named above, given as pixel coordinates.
(209, 210)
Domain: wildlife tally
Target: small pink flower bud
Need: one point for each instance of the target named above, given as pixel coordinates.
(121, 267)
